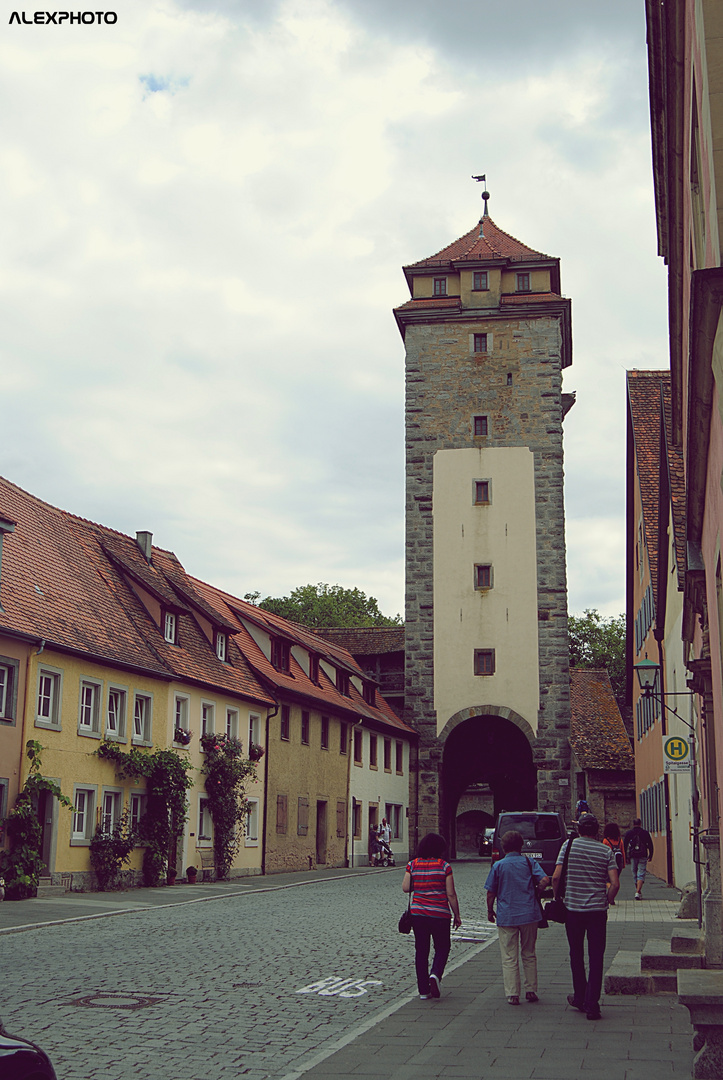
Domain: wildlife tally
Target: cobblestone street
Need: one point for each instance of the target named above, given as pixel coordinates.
(254, 984)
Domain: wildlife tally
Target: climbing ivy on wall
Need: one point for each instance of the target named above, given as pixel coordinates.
(226, 771)
(166, 810)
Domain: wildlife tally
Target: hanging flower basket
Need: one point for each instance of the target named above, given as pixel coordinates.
(181, 736)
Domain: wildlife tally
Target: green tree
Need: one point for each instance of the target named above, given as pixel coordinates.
(598, 642)
(329, 605)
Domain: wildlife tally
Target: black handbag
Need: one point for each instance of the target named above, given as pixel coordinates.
(555, 910)
(405, 922)
(543, 923)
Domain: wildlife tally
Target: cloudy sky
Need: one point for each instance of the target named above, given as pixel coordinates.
(205, 209)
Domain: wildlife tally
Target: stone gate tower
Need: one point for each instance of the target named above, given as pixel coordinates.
(487, 334)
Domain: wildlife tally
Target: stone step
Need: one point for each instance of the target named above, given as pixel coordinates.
(624, 976)
(658, 956)
(687, 939)
(46, 889)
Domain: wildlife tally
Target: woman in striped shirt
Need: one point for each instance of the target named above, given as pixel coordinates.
(434, 904)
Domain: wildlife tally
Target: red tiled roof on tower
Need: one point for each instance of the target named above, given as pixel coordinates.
(484, 242)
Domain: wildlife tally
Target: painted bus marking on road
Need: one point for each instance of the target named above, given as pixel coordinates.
(336, 985)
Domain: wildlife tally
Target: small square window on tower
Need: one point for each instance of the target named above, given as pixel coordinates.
(483, 576)
(480, 343)
(482, 492)
(480, 426)
(480, 280)
(440, 286)
(509, 378)
(484, 661)
(523, 282)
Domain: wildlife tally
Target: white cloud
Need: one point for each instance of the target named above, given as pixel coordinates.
(205, 212)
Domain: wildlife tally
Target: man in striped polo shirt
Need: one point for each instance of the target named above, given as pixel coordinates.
(591, 883)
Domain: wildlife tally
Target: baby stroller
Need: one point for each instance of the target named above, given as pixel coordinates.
(385, 855)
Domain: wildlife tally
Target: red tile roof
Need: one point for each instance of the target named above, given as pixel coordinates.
(644, 398)
(530, 298)
(420, 303)
(676, 475)
(59, 584)
(494, 243)
(597, 732)
(296, 681)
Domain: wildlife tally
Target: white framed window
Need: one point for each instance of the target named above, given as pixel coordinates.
(89, 707)
(170, 627)
(252, 824)
(180, 712)
(49, 697)
(115, 724)
(8, 687)
(221, 646)
(232, 723)
(254, 729)
(83, 815)
(137, 808)
(4, 789)
(205, 824)
(112, 807)
(142, 718)
(208, 711)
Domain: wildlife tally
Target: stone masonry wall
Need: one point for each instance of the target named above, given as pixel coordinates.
(518, 386)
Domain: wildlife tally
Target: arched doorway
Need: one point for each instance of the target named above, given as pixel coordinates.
(490, 754)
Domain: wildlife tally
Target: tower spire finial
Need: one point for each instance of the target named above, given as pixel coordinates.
(485, 196)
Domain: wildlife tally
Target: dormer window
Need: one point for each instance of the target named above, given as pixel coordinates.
(480, 281)
(170, 627)
(523, 282)
(221, 646)
(342, 682)
(314, 668)
(440, 286)
(280, 654)
(369, 693)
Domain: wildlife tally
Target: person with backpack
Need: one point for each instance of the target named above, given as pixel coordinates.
(611, 837)
(638, 849)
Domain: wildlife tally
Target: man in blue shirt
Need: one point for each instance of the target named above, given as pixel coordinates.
(513, 883)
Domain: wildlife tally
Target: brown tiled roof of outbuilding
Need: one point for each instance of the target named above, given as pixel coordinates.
(597, 732)
(493, 244)
(366, 640)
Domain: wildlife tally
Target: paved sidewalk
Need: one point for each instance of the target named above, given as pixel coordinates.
(471, 1032)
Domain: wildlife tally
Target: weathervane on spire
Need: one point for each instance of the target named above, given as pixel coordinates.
(485, 194)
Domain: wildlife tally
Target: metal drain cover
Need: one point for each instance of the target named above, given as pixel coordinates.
(116, 1001)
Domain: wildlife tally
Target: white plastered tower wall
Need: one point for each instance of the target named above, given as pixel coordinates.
(502, 617)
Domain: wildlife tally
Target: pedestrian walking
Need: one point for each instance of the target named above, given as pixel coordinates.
(434, 905)
(513, 883)
(638, 848)
(375, 848)
(611, 837)
(591, 882)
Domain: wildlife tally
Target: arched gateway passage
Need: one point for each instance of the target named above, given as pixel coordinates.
(490, 755)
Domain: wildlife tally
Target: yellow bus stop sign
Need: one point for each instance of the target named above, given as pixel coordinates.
(676, 754)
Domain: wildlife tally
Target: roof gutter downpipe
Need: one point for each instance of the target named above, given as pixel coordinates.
(269, 714)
